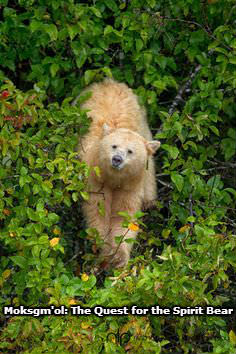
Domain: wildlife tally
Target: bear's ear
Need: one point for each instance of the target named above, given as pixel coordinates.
(106, 129)
(152, 146)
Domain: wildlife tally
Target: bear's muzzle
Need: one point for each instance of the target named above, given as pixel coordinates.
(116, 161)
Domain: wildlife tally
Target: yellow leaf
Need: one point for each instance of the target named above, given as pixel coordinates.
(232, 337)
(85, 325)
(54, 241)
(10, 190)
(72, 302)
(56, 231)
(133, 227)
(12, 234)
(85, 277)
(6, 273)
(7, 212)
(184, 228)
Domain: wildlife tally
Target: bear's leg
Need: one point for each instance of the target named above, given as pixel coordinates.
(118, 253)
(150, 189)
(120, 250)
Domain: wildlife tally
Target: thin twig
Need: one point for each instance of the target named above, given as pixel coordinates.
(117, 248)
(111, 257)
(196, 24)
(217, 168)
(191, 208)
(162, 174)
(165, 184)
(184, 88)
(229, 164)
(216, 206)
(97, 192)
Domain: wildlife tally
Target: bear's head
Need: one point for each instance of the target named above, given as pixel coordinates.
(124, 153)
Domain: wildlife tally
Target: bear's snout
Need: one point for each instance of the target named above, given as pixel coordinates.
(117, 161)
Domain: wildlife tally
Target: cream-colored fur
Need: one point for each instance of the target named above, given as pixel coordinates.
(118, 131)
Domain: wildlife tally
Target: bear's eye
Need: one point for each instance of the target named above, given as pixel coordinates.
(114, 146)
(130, 151)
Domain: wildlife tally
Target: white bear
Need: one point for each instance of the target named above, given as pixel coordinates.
(120, 143)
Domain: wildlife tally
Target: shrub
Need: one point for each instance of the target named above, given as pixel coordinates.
(180, 60)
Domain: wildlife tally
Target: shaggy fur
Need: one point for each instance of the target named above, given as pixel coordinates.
(120, 143)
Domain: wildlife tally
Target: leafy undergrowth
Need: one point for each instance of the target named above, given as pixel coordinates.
(185, 252)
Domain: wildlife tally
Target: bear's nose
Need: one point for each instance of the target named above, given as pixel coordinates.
(116, 160)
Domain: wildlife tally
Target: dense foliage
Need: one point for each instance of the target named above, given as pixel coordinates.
(179, 57)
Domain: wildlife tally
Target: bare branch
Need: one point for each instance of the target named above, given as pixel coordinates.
(183, 89)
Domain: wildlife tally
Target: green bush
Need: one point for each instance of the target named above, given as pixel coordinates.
(179, 57)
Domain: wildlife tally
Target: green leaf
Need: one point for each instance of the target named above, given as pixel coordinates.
(124, 214)
(108, 29)
(32, 214)
(139, 214)
(35, 25)
(22, 181)
(214, 129)
(96, 11)
(88, 76)
(50, 166)
(23, 171)
(232, 133)
(228, 146)
(75, 196)
(197, 37)
(111, 4)
(178, 180)
(107, 71)
(20, 261)
(232, 191)
(232, 60)
(38, 228)
(159, 84)
(97, 171)
(51, 31)
(54, 218)
(84, 195)
(191, 219)
(151, 3)
(161, 61)
(232, 337)
(172, 150)
(129, 76)
(36, 250)
(81, 58)
(101, 208)
(43, 240)
(139, 44)
(54, 69)
(73, 31)
(89, 284)
(119, 239)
